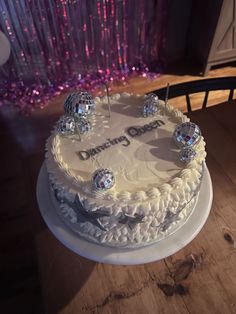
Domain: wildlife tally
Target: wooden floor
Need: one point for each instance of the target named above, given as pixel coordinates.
(22, 152)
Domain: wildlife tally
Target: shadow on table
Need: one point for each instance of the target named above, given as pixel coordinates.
(19, 273)
(62, 272)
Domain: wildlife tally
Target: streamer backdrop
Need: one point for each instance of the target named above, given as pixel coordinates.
(62, 45)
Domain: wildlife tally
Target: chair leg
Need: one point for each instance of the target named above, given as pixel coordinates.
(231, 95)
(188, 103)
(205, 100)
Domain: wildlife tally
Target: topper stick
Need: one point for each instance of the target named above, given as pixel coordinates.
(167, 94)
(108, 99)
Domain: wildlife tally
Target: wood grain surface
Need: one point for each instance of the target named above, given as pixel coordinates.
(22, 153)
(201, 278)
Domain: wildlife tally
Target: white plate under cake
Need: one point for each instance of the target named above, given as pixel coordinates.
(154, 192)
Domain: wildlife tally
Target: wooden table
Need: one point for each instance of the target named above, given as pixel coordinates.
(201, 278)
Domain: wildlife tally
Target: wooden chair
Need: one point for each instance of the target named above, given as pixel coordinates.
(193, 87)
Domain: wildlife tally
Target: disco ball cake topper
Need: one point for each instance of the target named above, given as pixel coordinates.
(187, 154)
(79, 104)
(66, 125)
(150, 106)
(103, 179)
(153, 96)
(187, 134)
(83, 126)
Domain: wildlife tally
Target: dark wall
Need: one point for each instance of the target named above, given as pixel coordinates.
(179, 16)
(204, 17)
(191, 25)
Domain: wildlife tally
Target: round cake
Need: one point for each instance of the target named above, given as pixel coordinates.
(125, 183)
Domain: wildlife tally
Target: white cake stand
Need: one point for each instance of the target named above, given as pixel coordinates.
(151, 253)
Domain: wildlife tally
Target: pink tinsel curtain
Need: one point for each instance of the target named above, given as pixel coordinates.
(62, 45)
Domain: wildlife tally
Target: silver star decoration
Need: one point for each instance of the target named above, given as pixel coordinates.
(169, 219)
(131, 220)
(173, 217)
(82, 214)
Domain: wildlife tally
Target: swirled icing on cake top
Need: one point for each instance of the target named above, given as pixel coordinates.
(140, 151)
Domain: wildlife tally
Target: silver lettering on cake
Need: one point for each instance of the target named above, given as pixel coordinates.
(132, 132)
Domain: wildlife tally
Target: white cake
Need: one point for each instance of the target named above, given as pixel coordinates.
(154, 192)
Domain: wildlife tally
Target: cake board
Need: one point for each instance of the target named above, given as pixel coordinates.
(104, 254)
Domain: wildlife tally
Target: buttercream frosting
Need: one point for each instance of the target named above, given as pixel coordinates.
(151, 181)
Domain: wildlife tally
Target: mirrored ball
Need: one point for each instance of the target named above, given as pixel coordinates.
(84, 126)
(152, 96)
(187, 134)
(187, 154)
(66, 125)
(103, 179)
(150, 106)
(79, 104)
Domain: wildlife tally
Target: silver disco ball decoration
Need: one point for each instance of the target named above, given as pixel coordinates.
(83, 126)
(152, 96)
(187, 154)
(103, 179)
(79, 104)
(66, 125)
(187, 134)
(150, 106)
